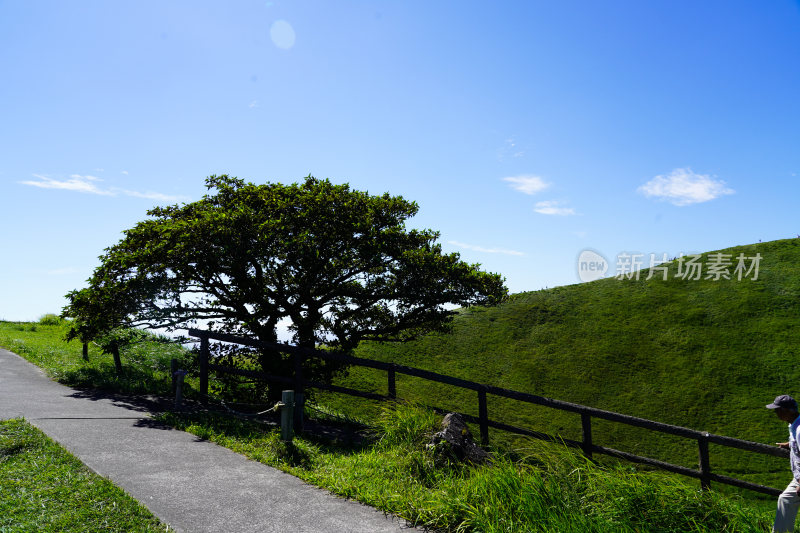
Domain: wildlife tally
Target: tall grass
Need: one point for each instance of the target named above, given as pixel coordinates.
(550, 489)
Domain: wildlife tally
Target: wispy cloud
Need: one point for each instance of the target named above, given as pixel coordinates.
(484, 250)
(552, 207)
(253, 104)
(85, 184)
(153, 196)
(684, 187)
(88, 185)
(125, 172)
(527, 183)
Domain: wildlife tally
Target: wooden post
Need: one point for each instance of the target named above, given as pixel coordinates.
(586, 426)
(179, 375)
(85, 351)
(173, 368)
(705, 464)
(299, 396)
(483, 416)
(117, 360)
(287, 415)
(204, 354)
(392, 383)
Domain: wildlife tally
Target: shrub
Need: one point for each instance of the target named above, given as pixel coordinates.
(51, 320)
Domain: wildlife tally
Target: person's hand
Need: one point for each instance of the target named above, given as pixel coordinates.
(784, 445)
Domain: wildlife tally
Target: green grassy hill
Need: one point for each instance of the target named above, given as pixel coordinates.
(703, 354)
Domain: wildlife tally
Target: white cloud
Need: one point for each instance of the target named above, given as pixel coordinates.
(684, 187)
(527, 184)
(87, 184)
(153, 196)
(125, 172)
(552, 207)
(485, 250)
(74, 183)
(253, 104)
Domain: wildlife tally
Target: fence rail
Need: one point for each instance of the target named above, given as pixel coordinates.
(586, 444)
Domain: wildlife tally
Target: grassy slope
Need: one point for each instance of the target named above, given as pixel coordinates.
(146, 366)
(703, 354)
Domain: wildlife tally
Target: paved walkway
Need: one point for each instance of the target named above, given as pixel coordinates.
(192, 485)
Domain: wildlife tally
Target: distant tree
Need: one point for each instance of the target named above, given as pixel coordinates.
(339, 264)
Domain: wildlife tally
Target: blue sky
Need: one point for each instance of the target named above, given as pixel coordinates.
(526, 131)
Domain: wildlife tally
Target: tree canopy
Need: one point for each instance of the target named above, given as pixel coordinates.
(338, 263)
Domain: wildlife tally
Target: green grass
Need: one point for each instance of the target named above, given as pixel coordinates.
(701, 354)
(146, 366)
(549, 490)
(45, 488)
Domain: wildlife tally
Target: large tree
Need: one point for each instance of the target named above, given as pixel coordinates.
(338, 263)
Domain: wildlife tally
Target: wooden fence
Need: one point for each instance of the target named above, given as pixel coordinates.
(586, 444)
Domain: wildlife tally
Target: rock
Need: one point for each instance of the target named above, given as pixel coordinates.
(455, 443)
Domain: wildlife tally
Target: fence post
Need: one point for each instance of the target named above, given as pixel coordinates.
(299, 396)
(178, 377)
(204, 369)
(392, 383)
(483, 416)
(117, 360)
(173, 368)
(586, 426)
(705, 465)
(287, 415)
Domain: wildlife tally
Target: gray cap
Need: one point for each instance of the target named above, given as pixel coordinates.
(784, 400)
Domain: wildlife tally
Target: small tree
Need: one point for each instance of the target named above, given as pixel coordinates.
(339, 264)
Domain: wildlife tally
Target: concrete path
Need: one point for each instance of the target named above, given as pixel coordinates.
(192, 485)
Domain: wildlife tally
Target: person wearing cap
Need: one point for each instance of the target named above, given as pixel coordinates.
(789, 501)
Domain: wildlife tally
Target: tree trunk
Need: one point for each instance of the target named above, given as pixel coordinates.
(272, 363)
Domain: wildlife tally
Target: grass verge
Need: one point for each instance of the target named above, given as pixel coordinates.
(45, 488)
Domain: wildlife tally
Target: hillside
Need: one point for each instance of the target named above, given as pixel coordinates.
(705, 354)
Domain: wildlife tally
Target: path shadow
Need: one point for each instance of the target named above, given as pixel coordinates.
(153, 424)
(346, 437)
(140, 403)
